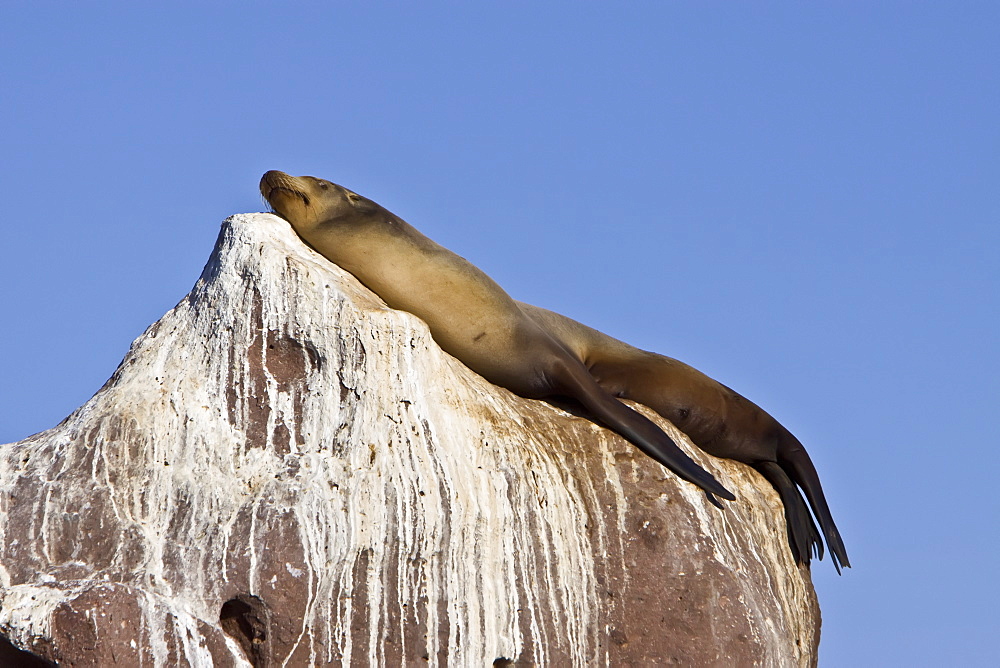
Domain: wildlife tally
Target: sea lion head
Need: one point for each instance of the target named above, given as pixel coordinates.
(306, 201)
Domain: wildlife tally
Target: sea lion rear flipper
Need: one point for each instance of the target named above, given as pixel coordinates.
(574, 381)
(793, 458)
(803, 536)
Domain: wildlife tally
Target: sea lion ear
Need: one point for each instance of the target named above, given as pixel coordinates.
(361, 203)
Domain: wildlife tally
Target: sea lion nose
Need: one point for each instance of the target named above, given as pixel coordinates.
(269, 180)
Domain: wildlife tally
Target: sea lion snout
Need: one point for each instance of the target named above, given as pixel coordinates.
(287, 195)
(275, 179)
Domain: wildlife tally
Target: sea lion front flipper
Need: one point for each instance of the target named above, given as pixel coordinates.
(573, 380)
(714, 501)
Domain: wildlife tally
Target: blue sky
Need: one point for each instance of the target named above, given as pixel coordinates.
(801, 201)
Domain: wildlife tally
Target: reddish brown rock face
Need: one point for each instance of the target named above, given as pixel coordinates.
(282, 470)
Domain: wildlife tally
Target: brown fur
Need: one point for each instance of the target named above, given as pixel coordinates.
(469, 315)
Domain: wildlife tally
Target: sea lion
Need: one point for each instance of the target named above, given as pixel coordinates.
(718, 420)
(468, 314)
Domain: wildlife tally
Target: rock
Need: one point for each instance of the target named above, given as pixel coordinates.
(283, 471)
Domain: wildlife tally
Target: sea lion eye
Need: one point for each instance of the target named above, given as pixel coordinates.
(353, 197)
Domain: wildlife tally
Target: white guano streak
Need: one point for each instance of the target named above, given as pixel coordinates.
(398, 476)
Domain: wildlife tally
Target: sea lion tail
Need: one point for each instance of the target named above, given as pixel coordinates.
(793, 459)
(636, 428)
(803, 536)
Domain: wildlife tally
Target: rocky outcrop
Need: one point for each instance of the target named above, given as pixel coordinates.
(283, 471)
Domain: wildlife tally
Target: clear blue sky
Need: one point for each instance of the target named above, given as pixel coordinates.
(801, 201)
